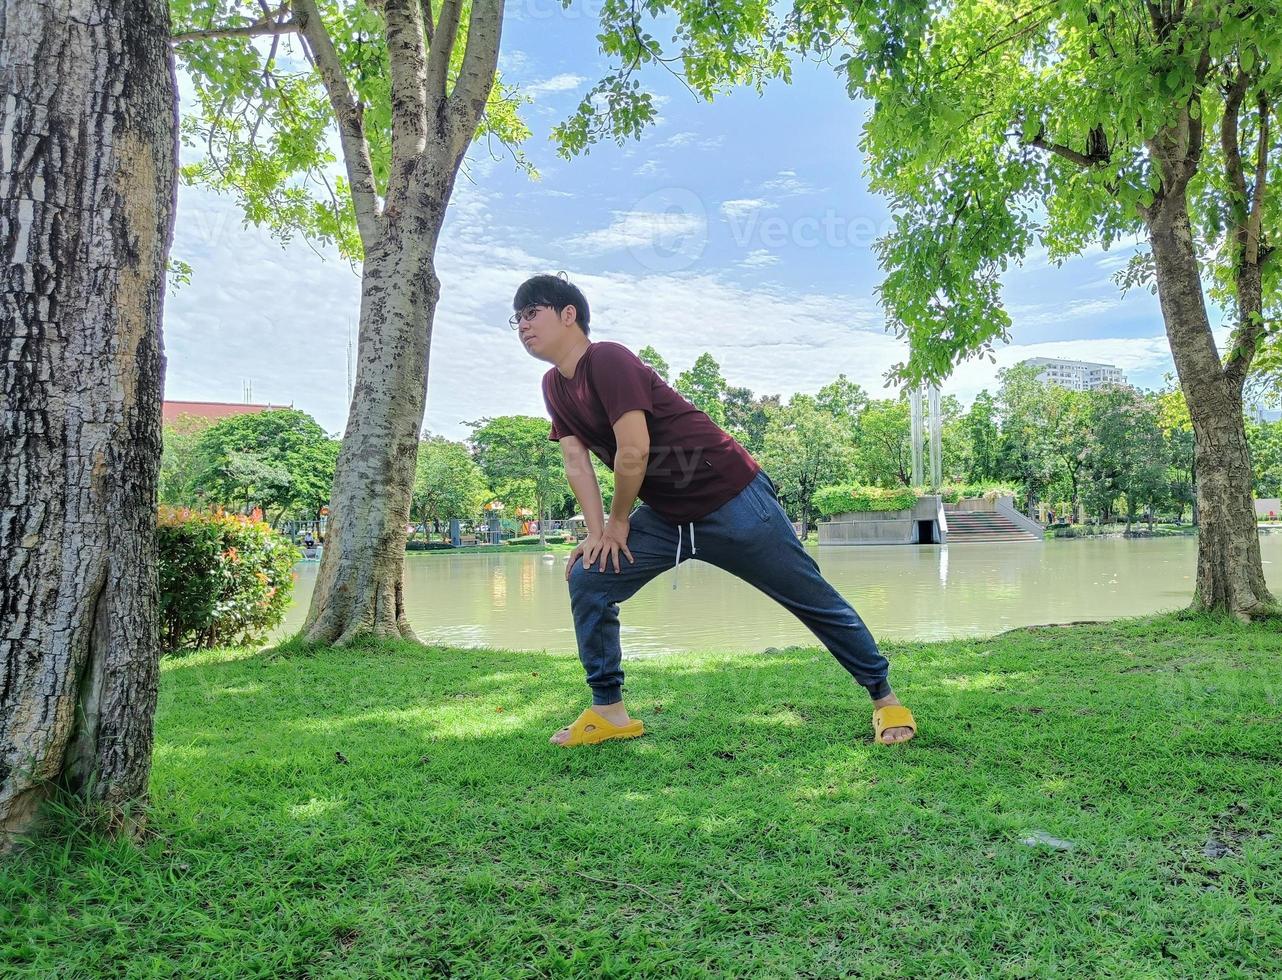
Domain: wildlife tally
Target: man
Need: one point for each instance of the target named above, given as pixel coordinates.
(703, 494)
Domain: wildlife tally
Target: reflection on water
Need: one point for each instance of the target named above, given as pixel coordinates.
(921, 592)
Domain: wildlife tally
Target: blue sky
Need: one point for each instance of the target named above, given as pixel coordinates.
(743, 227)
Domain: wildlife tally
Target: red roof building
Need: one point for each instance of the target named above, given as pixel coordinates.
(197, 415)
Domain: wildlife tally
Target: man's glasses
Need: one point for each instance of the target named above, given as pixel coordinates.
(526, 314)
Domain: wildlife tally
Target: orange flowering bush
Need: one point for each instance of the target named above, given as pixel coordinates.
(225, 579)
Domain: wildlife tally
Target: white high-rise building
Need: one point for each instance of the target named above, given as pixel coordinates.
(1076, 375)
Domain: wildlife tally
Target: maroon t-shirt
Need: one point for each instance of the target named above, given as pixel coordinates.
(694, 466)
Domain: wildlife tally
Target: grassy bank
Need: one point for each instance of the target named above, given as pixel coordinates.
(1138, 530)
(1084, 801)
(555, 548)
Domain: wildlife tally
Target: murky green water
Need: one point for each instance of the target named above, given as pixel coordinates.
(519, 601)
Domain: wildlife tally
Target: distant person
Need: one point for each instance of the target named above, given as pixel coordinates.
(703, 494)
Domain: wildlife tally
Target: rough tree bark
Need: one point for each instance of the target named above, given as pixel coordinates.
(359, 586)
(1230, 576)
(87, 160)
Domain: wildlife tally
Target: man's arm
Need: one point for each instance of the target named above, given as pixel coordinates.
(582, 477)
(632, 437)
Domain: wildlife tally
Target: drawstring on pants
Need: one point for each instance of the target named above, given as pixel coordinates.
(676, 567)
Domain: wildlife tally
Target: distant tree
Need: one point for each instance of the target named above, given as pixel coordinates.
(448, 483)
(704, 386)
(980, 423)
(280, 460)
(883, 447)
(1124, 453)
(1266, 454)
(651, 356)
(178, 461)
(843, 400)
(1177, 430)
(1027, 449)
(748, 416)
(514, 448)
(805, 449)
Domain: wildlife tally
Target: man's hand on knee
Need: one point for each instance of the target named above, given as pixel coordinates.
(613, 541)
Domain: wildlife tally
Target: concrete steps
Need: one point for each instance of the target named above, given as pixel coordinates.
(975, 526)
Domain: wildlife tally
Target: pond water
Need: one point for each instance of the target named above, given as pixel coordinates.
(927, 592)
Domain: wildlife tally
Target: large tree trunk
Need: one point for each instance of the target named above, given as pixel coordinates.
(87, 158)
(1230, 576)
(359, 588)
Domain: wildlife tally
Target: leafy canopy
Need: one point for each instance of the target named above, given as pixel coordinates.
(265, 125)
(995, 127)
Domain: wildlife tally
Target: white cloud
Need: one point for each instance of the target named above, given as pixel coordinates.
(1048, 314)
(744, 206)
(1114, 260)
(759, 258)
(565, 82)
(787, 184)
(638, 229)
(679, 140)
(650, 168)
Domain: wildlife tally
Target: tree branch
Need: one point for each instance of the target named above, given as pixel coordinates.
(444, 35)
(1233, 96)
(1255, 225)
(476, 77)
(1085, 160)
(269, 24)
(407, 61)
(429, 23)
(347, 115)
(1247, 273)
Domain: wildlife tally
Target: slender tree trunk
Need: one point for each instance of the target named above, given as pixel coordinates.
(87, 165)
(359, 587)
(1230, 576)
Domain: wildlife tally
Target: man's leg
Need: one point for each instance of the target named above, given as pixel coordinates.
(752, 538)
(594, 600)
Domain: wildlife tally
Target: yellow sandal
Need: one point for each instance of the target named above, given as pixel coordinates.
(590, 728)
(893, 716)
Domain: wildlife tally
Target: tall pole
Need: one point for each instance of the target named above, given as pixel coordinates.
(914, 398)
(936, 440)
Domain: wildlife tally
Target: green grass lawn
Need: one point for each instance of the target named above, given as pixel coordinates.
(754, 831)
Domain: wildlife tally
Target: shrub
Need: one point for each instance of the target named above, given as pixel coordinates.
(955, 492)
(428, 546)
(224, 578)
(852, 497)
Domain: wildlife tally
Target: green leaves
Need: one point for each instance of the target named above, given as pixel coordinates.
(264, 124)
(448, 484)
(705, 387)
(514, 448)
(280, 460)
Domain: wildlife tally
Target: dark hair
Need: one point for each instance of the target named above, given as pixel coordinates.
(554, 291)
